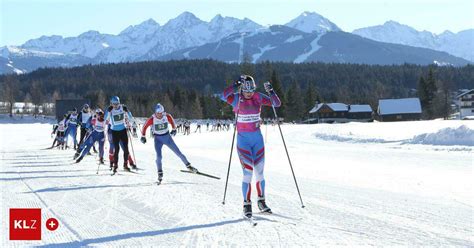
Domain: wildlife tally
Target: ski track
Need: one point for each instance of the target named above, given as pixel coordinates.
(186, 210)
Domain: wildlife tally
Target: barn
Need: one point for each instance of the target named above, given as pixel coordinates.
(404, 109)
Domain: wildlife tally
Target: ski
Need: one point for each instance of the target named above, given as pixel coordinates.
(158, 182)
(250, 220)
(201, 174)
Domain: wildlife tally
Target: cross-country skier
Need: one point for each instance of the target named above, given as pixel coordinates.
(82, 120)
(60, 130)
(95, 126)
(159, 122)
(120, 119)
(72, 126)
(112, 150)
(247, 105)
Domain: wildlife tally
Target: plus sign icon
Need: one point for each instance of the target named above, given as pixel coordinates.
(25, 224)
(52, 224)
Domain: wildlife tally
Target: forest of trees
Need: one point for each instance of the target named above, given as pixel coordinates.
(191, 88)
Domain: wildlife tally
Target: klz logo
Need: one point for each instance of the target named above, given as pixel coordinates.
(25, 224)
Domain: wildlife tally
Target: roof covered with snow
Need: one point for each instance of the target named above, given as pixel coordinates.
(399, 106)
(360, 108)
(465, 93)
(334, 106)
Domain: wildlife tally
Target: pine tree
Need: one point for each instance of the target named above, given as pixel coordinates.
(247, 67)
(277, 87)
(310, 99)
(195, 109)
(168, 104)
(295, 107)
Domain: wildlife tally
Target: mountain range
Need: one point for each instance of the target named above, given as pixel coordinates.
(309, 37)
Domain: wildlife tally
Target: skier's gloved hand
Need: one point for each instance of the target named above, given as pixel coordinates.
(173, 132)
(143, 139)
(268, 87)
(239, 81)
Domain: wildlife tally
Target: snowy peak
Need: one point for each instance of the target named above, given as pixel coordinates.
(146, 26)
(460, 44)
(312, 22)
(184, 20)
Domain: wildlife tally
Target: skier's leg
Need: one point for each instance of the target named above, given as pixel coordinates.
(159, 157)
(245, 157)
(101, 140)
(168, 141)
(124, 140)
(111, 148)
(87, 145)
(116, 141)
(258, 154)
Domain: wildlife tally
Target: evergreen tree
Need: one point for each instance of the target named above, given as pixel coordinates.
(247, 67)
(277, 87)
(295, 107)
(196, 109)
(36, 95)
(311, 96)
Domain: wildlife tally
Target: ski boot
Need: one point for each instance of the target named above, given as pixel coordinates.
(263, 206)
(101, 161)
(190, 168)
(160, 176)
(125, 167)
(114, 168)
(76, 154)
(248, 209)
(79, 159)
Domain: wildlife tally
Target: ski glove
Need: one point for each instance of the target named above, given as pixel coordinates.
(143, 139)
(268, 87)
(173, 132)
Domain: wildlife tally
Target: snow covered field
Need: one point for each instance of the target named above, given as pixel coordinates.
(382, 184)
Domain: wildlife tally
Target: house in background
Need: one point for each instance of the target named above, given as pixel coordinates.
(465, 103)
(404, 109)
(340, 113)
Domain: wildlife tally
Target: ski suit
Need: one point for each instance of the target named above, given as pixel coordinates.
(250, 146)
(162, 137)
(112, 148)
(72, 128)
(97, 128)
(82, 120)
(119, 120)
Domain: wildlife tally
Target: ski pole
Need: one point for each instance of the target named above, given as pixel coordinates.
(131, 144)
(232, 146)
(289, 160)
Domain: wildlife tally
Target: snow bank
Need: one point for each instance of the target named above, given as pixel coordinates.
(462, 136)
(26, 119)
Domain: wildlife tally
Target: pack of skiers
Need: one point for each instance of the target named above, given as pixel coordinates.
(117, 125)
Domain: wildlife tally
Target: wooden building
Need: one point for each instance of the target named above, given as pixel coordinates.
(404, 109)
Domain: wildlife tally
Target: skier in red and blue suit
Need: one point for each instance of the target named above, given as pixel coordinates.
(247, 105)
(95, 126)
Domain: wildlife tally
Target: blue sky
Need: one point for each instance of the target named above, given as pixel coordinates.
(22, 20)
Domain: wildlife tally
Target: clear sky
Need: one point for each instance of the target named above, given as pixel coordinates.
(22, 20)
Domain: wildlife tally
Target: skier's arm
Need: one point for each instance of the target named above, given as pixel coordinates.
(171, 121)
(79, 119)
(89, 124)
(146, 125)
(268, 100)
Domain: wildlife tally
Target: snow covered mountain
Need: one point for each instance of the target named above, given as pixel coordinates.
(282, 43)
(460, 44)
(227, 38)
(312, 22)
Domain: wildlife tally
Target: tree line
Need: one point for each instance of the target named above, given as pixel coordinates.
(191, 88)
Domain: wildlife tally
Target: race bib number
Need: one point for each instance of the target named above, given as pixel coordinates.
(161, 126)
(249, 118)
(118, 118)
(73, 120)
